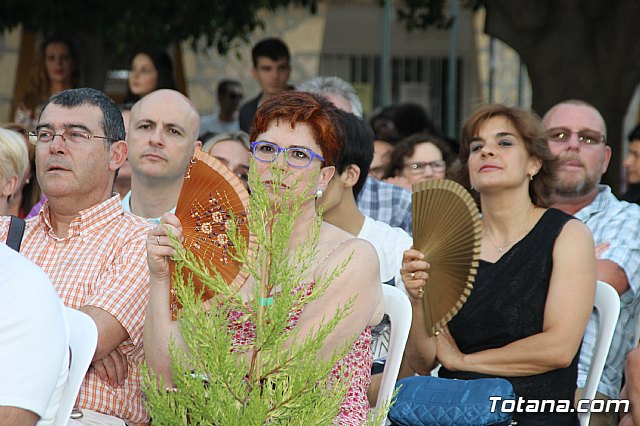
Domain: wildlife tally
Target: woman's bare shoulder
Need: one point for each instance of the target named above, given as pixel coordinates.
(575, 233)
(338, 241)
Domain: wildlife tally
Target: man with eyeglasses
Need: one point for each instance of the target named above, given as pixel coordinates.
(163, 135)
(93, 252)
(577, 136)
(230, 95)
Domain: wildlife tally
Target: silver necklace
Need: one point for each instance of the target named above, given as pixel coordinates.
(505, 246)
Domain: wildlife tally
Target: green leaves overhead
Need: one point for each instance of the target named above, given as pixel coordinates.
(128, 24)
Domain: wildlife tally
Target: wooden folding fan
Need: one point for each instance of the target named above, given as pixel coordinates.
(447, 229)
(211, 196)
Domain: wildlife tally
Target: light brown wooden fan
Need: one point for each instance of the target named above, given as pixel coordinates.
(447, 229)
(210, 193)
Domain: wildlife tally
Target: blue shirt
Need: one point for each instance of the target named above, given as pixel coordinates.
(618, 223)
(387, 203)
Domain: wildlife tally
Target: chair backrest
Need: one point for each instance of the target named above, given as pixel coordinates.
(608, 306)
(398, 308)
(636, 336)
(83, 339)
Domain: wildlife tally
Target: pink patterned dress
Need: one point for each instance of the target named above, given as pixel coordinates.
(355, 407)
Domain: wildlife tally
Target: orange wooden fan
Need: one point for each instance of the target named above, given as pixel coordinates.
(447, 229)
(210, 194)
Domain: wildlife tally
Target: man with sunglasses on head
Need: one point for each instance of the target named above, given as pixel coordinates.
(163, 135)
(225, 120)
(577, 136)
(92, 251)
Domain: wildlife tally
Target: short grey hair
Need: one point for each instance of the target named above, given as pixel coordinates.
(334, 86)
(238, 136)
(576, 102)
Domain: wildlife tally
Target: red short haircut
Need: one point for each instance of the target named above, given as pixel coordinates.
(312, 109)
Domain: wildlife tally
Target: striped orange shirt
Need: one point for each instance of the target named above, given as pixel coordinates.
(102, 263)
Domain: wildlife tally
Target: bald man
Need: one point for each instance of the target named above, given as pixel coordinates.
(162, 137)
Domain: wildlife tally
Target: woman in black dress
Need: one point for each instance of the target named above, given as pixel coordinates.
(535, 285)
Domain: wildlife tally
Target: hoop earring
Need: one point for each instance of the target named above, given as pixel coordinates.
(319, 193)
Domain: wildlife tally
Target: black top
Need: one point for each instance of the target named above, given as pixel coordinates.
(633, 193)
(507, 304)
(248, 110)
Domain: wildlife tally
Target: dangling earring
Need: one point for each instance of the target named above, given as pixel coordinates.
(319, 193)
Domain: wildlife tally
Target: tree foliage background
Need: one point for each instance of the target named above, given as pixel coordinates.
(573, 49)
(123, 24)
(108, 30)
(584, 49)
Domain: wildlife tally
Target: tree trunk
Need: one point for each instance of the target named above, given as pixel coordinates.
(576, 49)
(97, 59)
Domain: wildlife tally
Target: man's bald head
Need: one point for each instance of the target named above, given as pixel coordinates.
(177, 101)
(575, 104)
(162, 137)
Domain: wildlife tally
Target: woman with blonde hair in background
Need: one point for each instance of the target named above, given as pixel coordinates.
(234, 150)
(14, 160)
(28, 193)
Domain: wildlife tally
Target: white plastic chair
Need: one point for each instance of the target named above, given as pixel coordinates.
(83, 339)
(398, 308)
(636, 336)
(608, 306)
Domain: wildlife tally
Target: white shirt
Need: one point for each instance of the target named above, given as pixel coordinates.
(34, 342)
(212, 123)
(389, 243)
(615, 222)
(126, 206)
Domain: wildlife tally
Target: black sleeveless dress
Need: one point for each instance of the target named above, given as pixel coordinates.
(507, 304)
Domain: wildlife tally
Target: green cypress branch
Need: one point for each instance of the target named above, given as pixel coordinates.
(281, 377)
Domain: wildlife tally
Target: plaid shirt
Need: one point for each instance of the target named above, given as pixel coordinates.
(387, 203)
(615, 222)
(101, 263)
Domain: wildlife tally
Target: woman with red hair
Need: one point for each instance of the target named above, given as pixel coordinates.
(296, 143)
